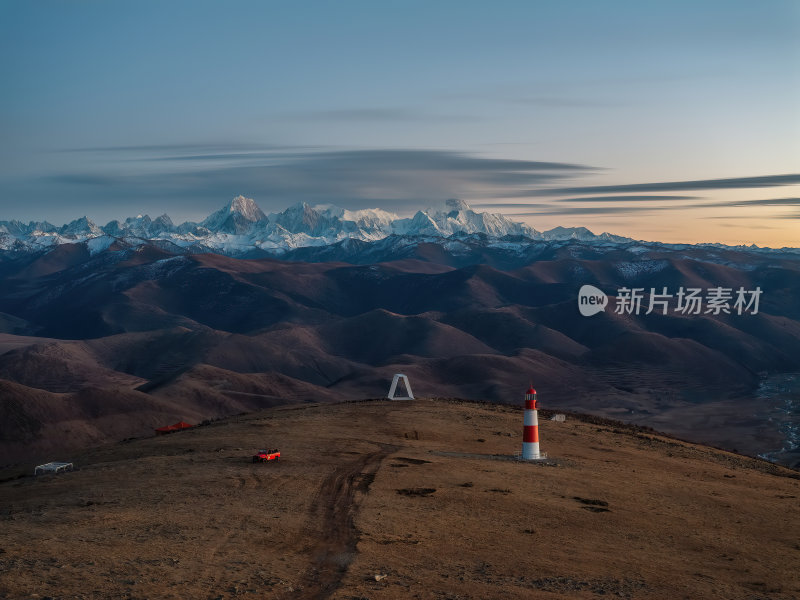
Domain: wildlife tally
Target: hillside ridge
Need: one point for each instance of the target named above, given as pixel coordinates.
(391, 499)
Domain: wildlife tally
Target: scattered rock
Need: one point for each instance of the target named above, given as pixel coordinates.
(590, 501)
(413, 461)
(380, 577)
(416, 491)
(622, 588)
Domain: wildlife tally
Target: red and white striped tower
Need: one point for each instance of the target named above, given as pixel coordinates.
(530, 433)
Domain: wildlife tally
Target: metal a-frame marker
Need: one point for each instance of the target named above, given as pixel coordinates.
(393, 389)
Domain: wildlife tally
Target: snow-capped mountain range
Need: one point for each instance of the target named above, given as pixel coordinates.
(241, 228)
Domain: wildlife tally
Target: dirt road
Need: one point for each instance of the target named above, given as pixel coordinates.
(332, 515)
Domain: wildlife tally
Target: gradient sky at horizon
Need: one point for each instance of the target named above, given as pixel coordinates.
(671, 121)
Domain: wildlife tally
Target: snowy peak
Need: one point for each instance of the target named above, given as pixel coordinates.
(19, 228)
(247, 208)
(568, 233)
(236, 217)
(302, 218)
(460, 218)
(83, 227)
(333, 223)
(370, 219)
(163, 222)
(140, 226)
(581, 234)
(420, 224)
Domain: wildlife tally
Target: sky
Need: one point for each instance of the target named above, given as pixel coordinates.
(670, 121)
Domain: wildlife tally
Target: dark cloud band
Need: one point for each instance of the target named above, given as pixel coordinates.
(197, 179)
(670, 186)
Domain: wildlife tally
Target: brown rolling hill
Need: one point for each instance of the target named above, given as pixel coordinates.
(412, 499)
(146, 322)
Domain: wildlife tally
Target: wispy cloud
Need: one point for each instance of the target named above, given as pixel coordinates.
(554, 207)
(366, 114)
(399, 179)
(759, 202)
(782, 202)
(563, 102)
(627, 198)
(82, 179)
(549, 209)
(217, 147)
(750, 226)
(670, 186)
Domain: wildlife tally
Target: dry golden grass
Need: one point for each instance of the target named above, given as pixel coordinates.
(416, 491)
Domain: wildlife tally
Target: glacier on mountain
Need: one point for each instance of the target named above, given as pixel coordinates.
(241, 228)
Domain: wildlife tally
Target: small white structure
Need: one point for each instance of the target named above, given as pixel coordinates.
(393, 389)
(559, 418)
(53, 467)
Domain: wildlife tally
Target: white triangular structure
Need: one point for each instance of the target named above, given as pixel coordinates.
(393, 389)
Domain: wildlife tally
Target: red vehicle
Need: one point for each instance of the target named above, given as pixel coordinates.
(266, 455)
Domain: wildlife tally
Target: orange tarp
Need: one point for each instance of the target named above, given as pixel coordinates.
(173, 428)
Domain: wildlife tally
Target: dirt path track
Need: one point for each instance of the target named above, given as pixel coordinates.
(333, 513)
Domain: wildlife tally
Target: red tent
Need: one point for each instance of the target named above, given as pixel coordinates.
(173, 428)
